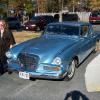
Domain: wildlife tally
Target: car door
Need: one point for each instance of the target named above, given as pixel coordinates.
(86, 42)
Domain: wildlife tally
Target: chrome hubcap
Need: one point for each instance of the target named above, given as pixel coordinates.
(71, 69)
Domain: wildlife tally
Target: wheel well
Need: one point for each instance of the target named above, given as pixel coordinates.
(76, 60)
(98, 40)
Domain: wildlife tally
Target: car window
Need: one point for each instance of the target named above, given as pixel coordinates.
(53, 29)
(11, 19)
(95, 14)
(70, 17)
(84, 30)
(91, 31)
(70, 30)
(62, 29)
(35, 18)
(48, 19)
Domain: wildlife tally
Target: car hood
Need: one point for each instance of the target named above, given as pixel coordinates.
(46, 46)
(30, 22)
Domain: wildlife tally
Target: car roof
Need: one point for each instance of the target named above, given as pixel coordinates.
(71, 23)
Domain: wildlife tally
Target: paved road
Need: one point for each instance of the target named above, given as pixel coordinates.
(96, 27)
(14, 88)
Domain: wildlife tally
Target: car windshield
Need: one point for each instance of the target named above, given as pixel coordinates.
(62, 30)
(35, 18)
(95, 14)
(11, 19)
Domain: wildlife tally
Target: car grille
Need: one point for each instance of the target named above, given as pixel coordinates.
(27, 61)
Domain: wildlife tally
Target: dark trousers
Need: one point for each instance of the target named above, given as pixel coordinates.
(3, 64)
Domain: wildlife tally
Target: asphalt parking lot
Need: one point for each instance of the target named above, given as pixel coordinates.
(14, 88)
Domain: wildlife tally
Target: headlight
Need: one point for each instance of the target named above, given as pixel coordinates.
(57, 61)
(8, 54)
(33, 25)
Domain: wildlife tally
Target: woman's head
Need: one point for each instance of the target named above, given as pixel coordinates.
(3, 25)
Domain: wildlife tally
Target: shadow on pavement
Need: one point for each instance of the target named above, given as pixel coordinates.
(75, 95)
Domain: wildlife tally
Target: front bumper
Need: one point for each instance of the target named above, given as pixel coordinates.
(38, 72)
(43, 74)
(29, 28)
(38, 75)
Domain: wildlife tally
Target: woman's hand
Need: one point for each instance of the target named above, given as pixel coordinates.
(11, 46)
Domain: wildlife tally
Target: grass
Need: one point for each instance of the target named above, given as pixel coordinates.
(24, 35)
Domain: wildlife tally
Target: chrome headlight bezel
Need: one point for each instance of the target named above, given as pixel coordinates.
(57, 61)
(9, 54)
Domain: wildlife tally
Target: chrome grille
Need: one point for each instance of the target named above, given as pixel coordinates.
(28, 61)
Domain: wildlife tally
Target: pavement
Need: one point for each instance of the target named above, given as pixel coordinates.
(92, 79)
(92, 75)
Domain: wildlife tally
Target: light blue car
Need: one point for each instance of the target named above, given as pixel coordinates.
(56, 53)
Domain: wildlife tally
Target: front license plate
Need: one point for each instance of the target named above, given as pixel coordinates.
(24, 75)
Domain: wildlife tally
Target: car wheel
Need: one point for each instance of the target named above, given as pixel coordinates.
(18, 27)
(71, 71)
(9, 72)
(1, 69)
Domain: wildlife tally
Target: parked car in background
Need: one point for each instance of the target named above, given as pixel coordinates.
(56, 53)
(94, 17)
(70, 17)
(37, 23)
(14, 23)
(67, 17)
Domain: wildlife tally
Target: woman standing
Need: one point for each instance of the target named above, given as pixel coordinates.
(6, 41)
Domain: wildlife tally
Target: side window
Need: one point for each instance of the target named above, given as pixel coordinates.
(84, 30)
(91, 31)
(53, 28)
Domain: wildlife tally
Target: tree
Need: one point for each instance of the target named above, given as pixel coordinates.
(71, 4)
(53, 5)
(3, 8)
(28, 8)
(93, 4)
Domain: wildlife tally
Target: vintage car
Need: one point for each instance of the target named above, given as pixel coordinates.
(14, 23)
(56, 53)
(94, 17)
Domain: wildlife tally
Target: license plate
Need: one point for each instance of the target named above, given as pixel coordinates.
(24, 75)
(26, 27)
